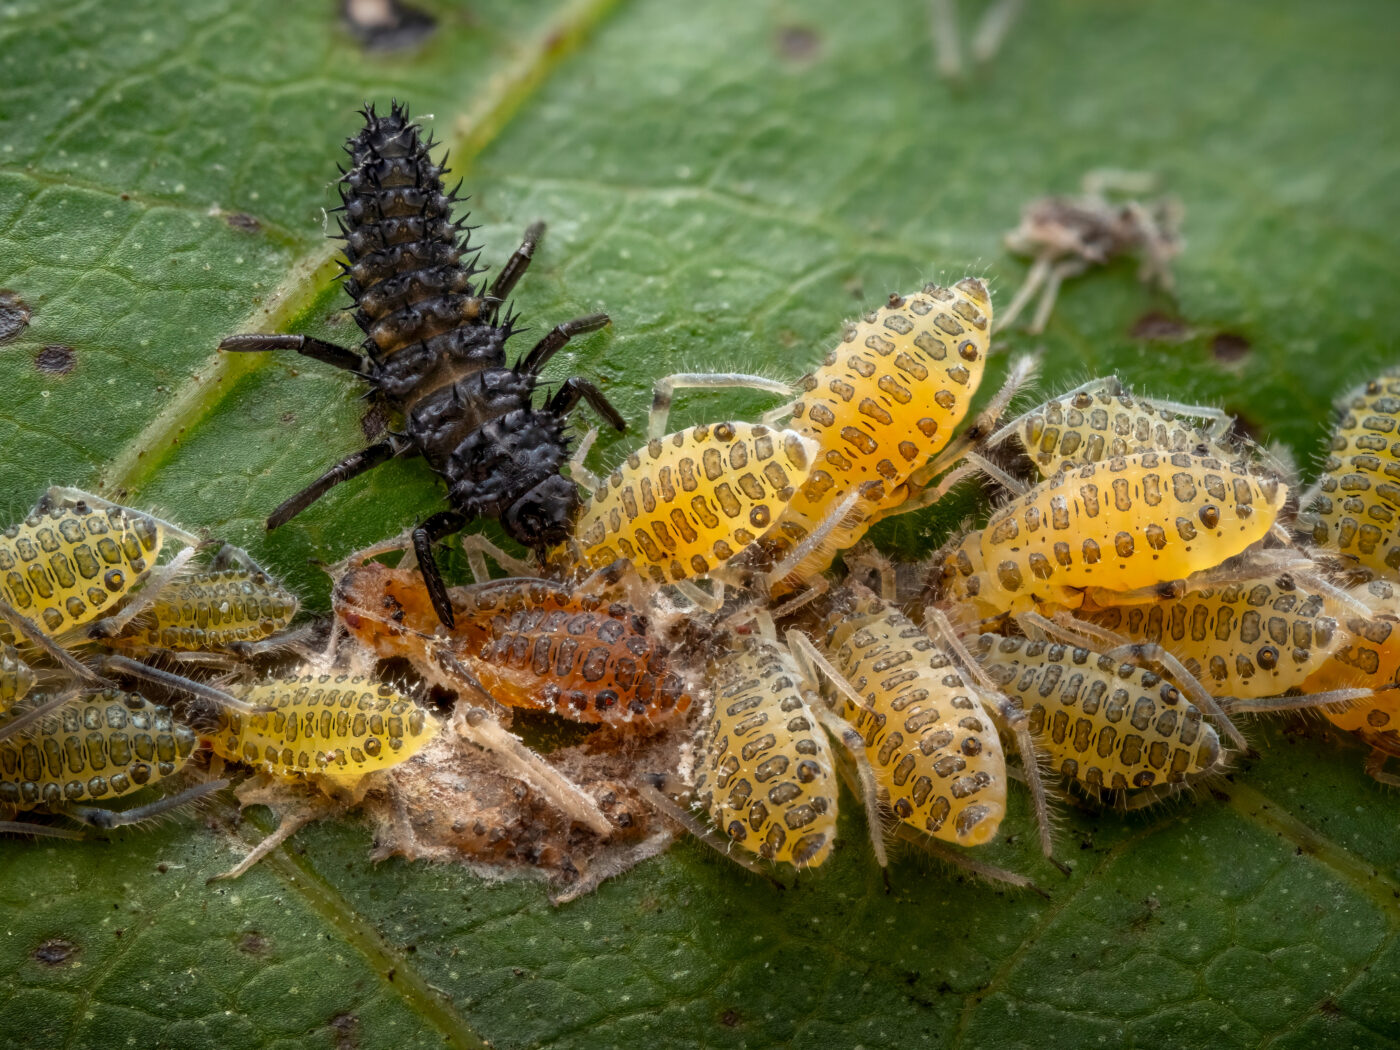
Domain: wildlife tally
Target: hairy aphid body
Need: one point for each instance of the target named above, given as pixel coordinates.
(68, 563)
(1103, 420)
(211, 611)
(105, 745)
(1254, 638)
(529, 643)
(934, 749)
(765, 773)
(336, 725)
(1368, 657)
(883, 403)
(685, 504)
(434, 352)
(1354, 508)
(1122, 524)
(1104, 723)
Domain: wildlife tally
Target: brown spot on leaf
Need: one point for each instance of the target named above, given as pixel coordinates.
(374, 422)
(1229, 347)
(1159, 327)
(243, 221)
(347, 1031)
(797, 43)
(14, 315)
(386, 25)
(730, 1018)
(56, 359)
(55, 952)
(251, 942)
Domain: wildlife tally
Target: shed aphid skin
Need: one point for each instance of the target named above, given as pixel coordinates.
(434, 352)
(684, 505)
(1122, 525)
(1102, 419)
(528, 643)
(1354, 507)
(1104, 723)
(99, 747)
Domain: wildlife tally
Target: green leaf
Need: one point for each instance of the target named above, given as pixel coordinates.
(729, 180)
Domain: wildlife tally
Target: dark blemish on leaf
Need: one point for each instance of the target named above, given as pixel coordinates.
(1158, 327)
(162, 867)
(730, 1018)
(55, 952)
(14, 315)
(374, 422)
(347, 1031)
(243, 221)
(254, 943)
(798, 43)
(55, 359)
(289, 417)
(1329, 1008)
(1243, 428)
(386, 25)
(1229, 347)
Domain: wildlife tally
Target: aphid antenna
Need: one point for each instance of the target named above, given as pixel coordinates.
(47, 831)
(160, 578)
(879, 819)
(39, 710)
(960, 861)
(35, 636)
(664, 390)
(844, 515)
(679, 815)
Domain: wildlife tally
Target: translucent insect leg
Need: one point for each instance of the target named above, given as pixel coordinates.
(1338, 698)
(351, 466)
(680, 815)
(556, 338)
(710, 603)
(947, 44)
(1187, 682)
(37, 710)
(575, 389)
(615, 863)
(35, 636)
(854, 744)
(1112, 385)
(160, 577)
(937, 627)
(580, 473)
(664, 391)
(317, 349)
(47, 831)
(478, 726)
(982, 870)
(810, 660)
(928, 496)
(515, 267)
(816, 587)
(1013, 716)
(98, 817)
(992, 29)
(297, 640)
(478, 548)
(835, 519)
(67, 496)
(1021, 373)
(1036, 277)
(1145, 797)
(1015, 486)
(1375, 768)
(288, 826)
(177, 682)
(1051, 292)
(230, 557)
(441, 524)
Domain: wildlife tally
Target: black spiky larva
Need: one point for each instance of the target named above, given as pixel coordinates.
(434, 352)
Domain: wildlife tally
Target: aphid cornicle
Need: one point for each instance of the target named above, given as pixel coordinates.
(434, 351)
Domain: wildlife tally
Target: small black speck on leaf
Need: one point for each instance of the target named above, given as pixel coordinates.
(162, 867)
(56, 359)
(55, 952)
(14, 315)
(730, 1018)
(1229, 347)
(798, 43)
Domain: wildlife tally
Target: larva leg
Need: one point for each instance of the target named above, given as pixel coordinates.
(425, 535)
(555, 340)
(576, 389)
(307, 346)
(664, 392)
(516, 265)
(351, 466)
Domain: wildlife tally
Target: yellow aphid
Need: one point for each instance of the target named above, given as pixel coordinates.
(1122, 524)
(103, 746)
(337, 725)
(16, 677)
(1368, 658)
(1102, 420)
(685, 504)
(1102, 722)
(934, 749)
(765, 770)
(882, 404)
(66, 565)
(211, 611)
(1254, 638)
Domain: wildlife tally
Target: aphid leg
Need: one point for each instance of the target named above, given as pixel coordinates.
(664, 391)
(288, 826)
(38, 709)
(477, 726)
(317, 349)
(179, 683)
(160, 577)
(1036, 277)
(1015, 486)
(47, 831)
(97, 817)
(31, 633)
(854, 744)
(71, 497)
(1340, 699)
(811, 660)
(351, 466)
(441, 524)
(711, 603)
(1058, 273)
(947, 45)
(928, 496)
(556, 339)
(982, 870)
(620, 576)
(1021, 373)
(575, 389)
(580, 473)
(1375, 768)
(992, 29)
(816, 587)
(1111, 384)
(478, 548)
(1013, 716)
(937, 627)
(515, 266)
(836, 518)
(1188, 683)
(615, 863)
(678, 813)
(297, 640)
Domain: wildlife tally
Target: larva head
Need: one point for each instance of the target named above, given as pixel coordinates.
(543, 517)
